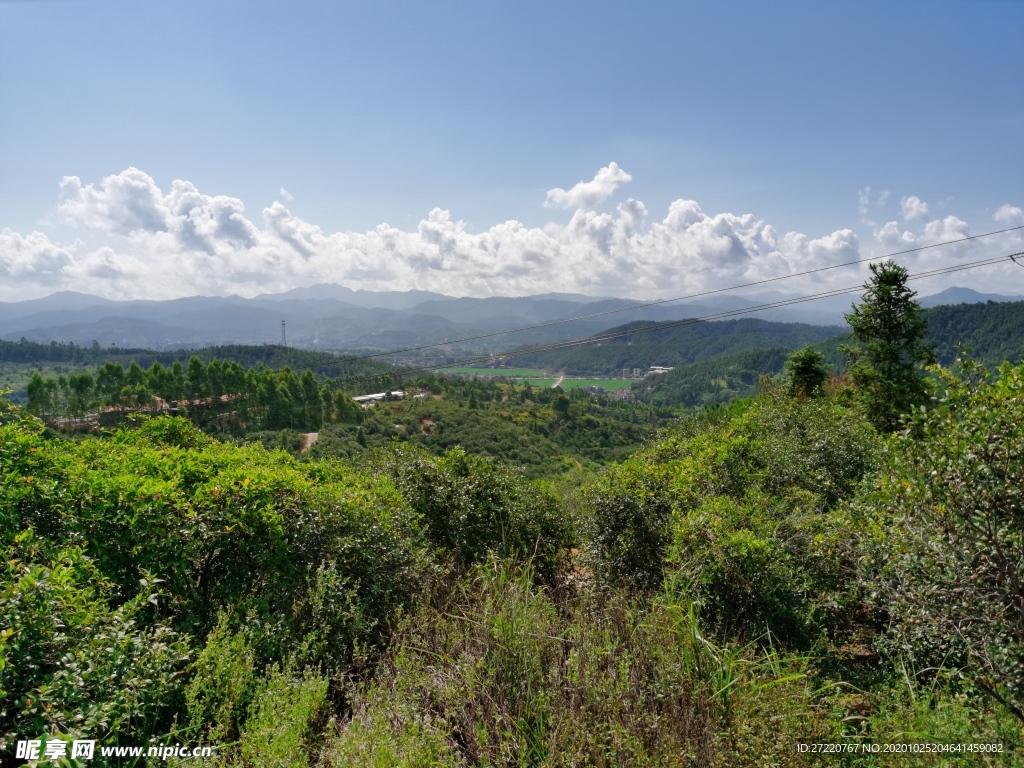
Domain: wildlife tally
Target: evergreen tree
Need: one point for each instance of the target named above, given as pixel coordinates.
(890, 326)
(805, 370)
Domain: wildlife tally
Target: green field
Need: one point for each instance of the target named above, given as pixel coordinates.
(510, 372)
(609, 384)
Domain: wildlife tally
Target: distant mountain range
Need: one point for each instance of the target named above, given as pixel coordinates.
(957, 295)
(334, 317)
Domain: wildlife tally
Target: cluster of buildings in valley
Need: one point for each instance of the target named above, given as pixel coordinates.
(638, 373)
(385, 397)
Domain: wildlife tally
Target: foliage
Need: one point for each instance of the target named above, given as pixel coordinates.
(674, 345)
(763, 567)
(945, 534)
(76, 658)
(282, 725)
(890, 327)
(993, 331)
(501, 673)
(805, 371)
(220, 397)
(221, 687)
(709, 382)
(473, 506)
(736, 509)
(250, 529)
(515, 424)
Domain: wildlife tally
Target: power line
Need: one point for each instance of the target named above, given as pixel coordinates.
(679, 298)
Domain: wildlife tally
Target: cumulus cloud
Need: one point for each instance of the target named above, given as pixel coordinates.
(587, 194)
(1010, 215)
(160, 243)
(913, 208)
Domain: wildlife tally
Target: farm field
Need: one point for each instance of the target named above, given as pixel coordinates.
(510, 372)
(610, 384)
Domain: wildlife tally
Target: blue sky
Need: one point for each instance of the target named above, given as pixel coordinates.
(381, 112)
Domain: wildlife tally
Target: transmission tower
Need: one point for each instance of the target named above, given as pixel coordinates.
(284, 340)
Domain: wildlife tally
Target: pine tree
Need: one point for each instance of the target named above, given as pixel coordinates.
(890, 326)
(805, 370)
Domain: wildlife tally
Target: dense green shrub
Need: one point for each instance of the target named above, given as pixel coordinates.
(631, 509)
(75, 658)
(473, 506)
(742, 508)
(944, 535)
(223, 525)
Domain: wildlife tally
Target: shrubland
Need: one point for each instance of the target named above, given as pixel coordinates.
(778, 570)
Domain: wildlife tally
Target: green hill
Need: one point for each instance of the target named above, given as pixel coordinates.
(992, 331)
(674, 345)
(708, 382)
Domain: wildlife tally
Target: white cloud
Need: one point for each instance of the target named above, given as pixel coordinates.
(913, 208)
(32, 257)
(586, 194)
(1010, 216)
(286, 195)
(147, 242)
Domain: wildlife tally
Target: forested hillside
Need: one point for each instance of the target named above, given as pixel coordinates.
(541, 431)
(993, 332)
(675, 345)
(713, 381)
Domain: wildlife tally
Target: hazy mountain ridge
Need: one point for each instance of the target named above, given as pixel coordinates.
(329, 316)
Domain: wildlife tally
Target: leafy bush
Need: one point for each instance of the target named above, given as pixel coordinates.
(631, 509)
(76, 658)
(222, 526)
(221, 687)
(473, 506)
(743, 508)
(944, 535)
(283, 719)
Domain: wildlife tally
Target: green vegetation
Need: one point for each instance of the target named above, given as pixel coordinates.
(506, 372)
(609, 384)
(493, 574)
(543, 432)
(222, 396)
(749, 573)
(19, 360)
(676, 345)
(805, 372)
(889, 327)
(711, 382)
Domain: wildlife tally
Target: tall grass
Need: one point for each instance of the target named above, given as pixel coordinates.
(503, 672)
